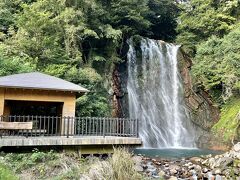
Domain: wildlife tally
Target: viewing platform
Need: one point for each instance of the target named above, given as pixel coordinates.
(70, 141)
(67, 131)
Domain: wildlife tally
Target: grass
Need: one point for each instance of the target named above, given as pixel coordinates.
(123, 165)
(6, 173)
(227, 126)
(68, 166)
(119, 167)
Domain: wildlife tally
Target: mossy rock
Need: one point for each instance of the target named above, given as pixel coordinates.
(228, 125)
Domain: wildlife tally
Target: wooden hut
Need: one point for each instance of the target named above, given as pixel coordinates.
(38, 94)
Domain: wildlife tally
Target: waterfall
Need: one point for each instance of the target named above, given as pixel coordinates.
(156, 95)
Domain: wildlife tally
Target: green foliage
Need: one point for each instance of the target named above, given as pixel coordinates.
(201, 19)
(58, 70)
(217, 62)
(13, 65)
(129, 15)
(162, 15)
(6, 173)
(228, 125)
(22, 161)
(209, 31)
(79, 41)
(95, 102)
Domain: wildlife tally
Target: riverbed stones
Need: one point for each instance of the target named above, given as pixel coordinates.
(236, 147)
(224, 166)
(217, 171)
(173, 178)
(138, 163)
(138, 168)
(137, 159)
(173, 171)
(205, 170)
(196, 160)
(161, 173)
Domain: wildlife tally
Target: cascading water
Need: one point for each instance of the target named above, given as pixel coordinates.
(155, 95)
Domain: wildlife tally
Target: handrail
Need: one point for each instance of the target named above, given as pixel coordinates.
(72, 126)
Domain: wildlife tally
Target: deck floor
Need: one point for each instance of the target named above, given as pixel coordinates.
(64, 141)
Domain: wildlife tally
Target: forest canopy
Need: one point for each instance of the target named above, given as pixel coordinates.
(79, 41)
(209, 31)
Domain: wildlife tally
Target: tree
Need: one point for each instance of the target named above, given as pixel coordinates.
(217, 63)
(200, 19)
(73, 39)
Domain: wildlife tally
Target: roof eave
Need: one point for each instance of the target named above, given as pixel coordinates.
(47, 89)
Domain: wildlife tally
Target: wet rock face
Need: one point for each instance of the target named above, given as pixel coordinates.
(204, 114)
(119, 88)
(201, 109)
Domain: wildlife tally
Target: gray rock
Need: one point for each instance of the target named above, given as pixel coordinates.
(217, 171)
(209, 175)
(166, 165)
(157, 163)
(173, 166)
(227, 172)
(144, 166)
(191, 167)
(161, 173)
(218, 177)
(173, 178)
(137, 159)
(222, 162)
(196, 160)
(205, 170)
(236, 147)
(151, 168)
(208, 156)
(225, 161)
(173, 171)
(234, 154)
(236, 171)
(138, 168)
(224, 178)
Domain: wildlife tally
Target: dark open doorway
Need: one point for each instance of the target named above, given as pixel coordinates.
(46, 116)
(33, 108)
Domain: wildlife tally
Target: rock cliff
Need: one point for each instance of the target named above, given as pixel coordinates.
(204, 114)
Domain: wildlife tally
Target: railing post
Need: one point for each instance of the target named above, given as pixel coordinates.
(137, 124)
(68, 119)
(136, 127)
(104, 127)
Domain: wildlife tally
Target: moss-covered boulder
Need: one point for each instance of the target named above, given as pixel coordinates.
(228, 127)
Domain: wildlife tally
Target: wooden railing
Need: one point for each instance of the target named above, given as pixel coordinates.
(69, 126)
